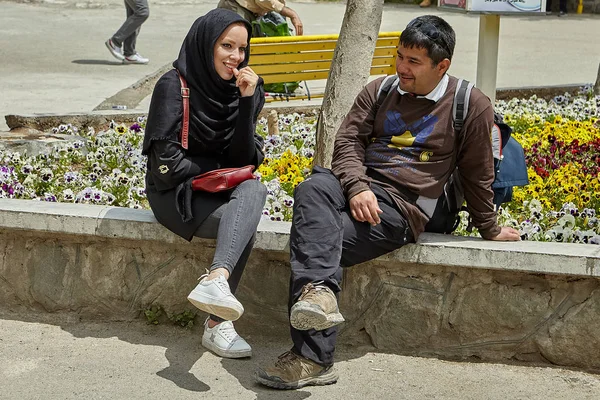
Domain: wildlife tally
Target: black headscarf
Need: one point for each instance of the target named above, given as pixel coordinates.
(213, 100)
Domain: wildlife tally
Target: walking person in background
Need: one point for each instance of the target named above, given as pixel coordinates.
(225, 98)
(122, 44)
(562, 7)
(253, 9)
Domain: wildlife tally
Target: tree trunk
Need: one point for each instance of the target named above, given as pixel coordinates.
(597, 85)
(349, 73)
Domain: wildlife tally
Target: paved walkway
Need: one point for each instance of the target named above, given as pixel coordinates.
(54, 59)
(69, 359)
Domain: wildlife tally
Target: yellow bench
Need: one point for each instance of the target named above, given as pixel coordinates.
(306, 58)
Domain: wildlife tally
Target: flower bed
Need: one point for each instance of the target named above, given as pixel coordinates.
(561, 140)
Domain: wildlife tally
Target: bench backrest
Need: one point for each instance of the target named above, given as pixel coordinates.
(300, 58)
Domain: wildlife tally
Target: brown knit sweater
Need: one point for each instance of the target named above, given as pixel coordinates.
(411, 141)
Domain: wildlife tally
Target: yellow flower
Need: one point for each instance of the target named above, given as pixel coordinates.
(121, 130)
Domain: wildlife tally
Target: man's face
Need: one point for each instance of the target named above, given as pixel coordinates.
(417, 73)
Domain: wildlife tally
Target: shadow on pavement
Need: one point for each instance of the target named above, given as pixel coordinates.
(183, 350)
(182, 346)
(96, 62)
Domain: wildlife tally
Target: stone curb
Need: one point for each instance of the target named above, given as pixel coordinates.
(431, 249)
(100, 120)
(132, 95)
(44, 122)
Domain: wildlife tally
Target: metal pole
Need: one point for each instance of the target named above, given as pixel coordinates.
(487, 54)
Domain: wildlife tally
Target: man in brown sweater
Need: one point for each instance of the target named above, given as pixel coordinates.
(390, 164)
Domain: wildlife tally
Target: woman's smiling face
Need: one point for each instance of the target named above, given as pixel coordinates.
(230, 50)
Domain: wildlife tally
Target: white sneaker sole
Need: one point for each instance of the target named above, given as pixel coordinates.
(228, 310)
(126, 61)
(305, 316)
(116, 55)
(226, 353)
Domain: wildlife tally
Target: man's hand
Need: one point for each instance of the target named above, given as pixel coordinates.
(364, 208)
(295, 18)
(507, 234)
(298, 27)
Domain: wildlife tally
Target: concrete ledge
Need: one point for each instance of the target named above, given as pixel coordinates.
(444, 296)
(101, 119)
(431, 249)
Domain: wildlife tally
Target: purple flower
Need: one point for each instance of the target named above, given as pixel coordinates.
(136, 128)
(71, 177)
(49, 197)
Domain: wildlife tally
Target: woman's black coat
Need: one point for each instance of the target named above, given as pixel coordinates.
(222, 129)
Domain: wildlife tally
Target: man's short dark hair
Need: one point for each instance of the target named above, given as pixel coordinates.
(431, 33)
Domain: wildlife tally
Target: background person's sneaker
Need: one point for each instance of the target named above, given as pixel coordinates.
(114, 50)
(317, 308)
(293, 372)
(224, 341)
(135, 59)
(215, 297)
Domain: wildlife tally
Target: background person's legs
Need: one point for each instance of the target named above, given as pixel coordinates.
(137, 12)
(562, 6)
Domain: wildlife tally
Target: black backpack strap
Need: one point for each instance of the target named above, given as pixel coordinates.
(389, 82)
(460, 108)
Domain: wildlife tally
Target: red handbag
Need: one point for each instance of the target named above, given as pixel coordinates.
(217, 180)
(222, 179)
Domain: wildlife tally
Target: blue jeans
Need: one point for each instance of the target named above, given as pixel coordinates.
(234, 226)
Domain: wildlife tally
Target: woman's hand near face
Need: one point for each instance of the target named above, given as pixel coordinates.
(246, 80)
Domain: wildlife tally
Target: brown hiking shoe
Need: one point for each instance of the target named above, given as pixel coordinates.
(425, 3)
(293, 372)
(316, 308)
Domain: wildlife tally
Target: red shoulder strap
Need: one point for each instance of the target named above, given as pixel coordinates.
(185, 96)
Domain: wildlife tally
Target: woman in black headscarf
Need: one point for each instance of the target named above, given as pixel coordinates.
(226, 97)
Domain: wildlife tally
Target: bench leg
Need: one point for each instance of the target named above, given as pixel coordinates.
(273, 123)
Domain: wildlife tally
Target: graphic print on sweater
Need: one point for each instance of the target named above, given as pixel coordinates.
(401, 144)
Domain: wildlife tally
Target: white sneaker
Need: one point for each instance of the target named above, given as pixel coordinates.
(224, 341)
(114, 50)
(214, 297)
(135, 59)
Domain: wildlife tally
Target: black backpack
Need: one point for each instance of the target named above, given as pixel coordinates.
(510, 168)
